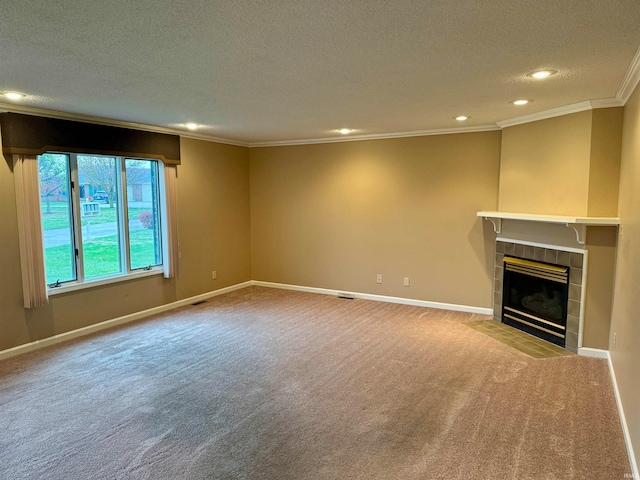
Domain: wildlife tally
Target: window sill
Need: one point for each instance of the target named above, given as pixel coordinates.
(72, 286)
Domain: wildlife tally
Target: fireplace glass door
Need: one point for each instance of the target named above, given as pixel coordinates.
(535, 298)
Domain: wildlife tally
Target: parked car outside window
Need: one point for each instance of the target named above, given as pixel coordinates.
(101, 195)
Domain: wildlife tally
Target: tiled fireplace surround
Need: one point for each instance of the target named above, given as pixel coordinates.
(573, 260)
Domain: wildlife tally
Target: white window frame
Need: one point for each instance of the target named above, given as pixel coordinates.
(126, 272)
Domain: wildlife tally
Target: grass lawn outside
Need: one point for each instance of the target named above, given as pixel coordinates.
(100, 256)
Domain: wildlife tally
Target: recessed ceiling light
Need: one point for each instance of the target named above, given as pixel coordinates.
(461, 118)
(13, 95)
(540, 74)
(192, 126)
(521, 102)
(345, 131)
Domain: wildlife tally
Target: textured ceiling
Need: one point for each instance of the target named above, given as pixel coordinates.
(282, 70)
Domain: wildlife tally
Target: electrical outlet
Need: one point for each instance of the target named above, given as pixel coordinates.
(406, 281)
(379, 278)
(614, 337)
(214, 275)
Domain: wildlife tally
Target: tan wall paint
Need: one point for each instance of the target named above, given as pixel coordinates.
(213, 208)
(215, 229)
(545, 166)
(601, 245)
(604, 172)
(625, 354)
(335, 215)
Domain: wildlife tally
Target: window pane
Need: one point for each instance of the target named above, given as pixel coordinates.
(57, 224)
(143, 208)
(98, 178)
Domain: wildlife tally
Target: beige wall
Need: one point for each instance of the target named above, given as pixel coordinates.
(545, 166)
(335, 215)
(214, 227)
(215, 230)
(604, 170)
(601, 247)
(625, 353)
(567, 165)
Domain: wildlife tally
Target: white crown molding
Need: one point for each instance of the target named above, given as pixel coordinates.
(631, 79)
(560, 111)
(41, 112)
(628, 85)
(211, 138)
(606, 103)
(554, 112)
(377, 136)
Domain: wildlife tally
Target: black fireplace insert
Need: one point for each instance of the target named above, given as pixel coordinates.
(535, 298)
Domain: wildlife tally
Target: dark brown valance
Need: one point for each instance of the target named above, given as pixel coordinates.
(32, 135)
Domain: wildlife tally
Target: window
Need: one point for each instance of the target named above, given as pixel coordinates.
(101, 216)
(79, 210)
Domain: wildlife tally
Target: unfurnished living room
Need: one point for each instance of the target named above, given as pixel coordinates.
(320, 239)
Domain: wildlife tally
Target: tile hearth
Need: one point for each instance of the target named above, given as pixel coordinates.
(523, 342)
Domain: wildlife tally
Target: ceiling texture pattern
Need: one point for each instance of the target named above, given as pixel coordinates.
(252, 71)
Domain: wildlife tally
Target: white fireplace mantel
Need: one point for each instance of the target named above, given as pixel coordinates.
(578, 224)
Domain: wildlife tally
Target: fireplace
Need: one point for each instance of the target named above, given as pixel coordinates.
(586, 245)
(569, 259)
(535, 298)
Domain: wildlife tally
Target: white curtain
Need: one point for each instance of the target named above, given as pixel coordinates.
(170, 222)
(27, 184)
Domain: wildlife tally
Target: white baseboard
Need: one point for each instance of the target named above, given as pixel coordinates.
(378, 298)
(623, 421)
(63, 337)
(598, 353)
(593, 352)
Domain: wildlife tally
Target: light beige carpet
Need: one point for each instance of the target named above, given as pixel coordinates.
(270, 384)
